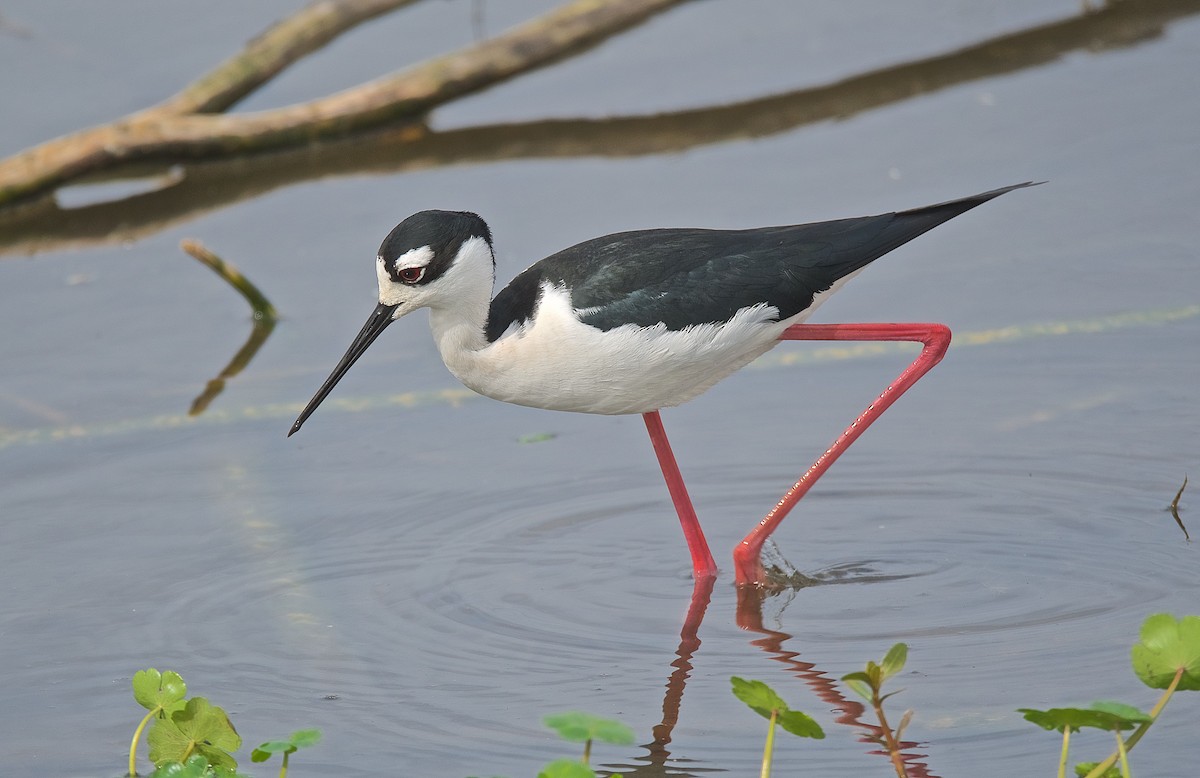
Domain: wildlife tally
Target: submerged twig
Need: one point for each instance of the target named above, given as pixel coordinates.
(258, 301)
(264, 321)
(1175, 510)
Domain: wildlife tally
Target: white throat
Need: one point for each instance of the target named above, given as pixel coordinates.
(458, 303)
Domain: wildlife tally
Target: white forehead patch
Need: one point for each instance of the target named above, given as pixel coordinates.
(418, 257)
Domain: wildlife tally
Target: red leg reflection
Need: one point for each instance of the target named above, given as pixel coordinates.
(852, 712)
(658, 761)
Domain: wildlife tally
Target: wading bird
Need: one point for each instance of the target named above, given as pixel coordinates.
(637, 321)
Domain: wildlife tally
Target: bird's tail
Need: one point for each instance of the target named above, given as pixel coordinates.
(906, 225)
(943, 212)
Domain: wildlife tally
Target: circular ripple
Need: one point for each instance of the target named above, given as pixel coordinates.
(480, 612)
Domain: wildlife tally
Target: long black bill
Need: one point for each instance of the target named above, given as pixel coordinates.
(378, 322)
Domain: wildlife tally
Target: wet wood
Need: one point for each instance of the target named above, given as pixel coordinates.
(173, 196)
(178, 129)
(267, 55)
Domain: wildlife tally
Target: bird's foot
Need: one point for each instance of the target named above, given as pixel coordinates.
(766, 569)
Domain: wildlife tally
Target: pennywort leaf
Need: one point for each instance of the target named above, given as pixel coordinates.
(1168, 645)
(154, 690)
(579, 727)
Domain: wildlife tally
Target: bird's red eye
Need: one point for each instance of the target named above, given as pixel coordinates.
(411, 275)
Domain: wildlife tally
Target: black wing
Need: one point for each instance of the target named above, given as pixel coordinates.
(683, 277)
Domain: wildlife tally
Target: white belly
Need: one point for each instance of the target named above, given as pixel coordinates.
(558, 363)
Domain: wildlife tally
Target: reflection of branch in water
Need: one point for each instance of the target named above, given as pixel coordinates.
(1175, 510)
(749, 617)
(43, 226)
(264, 321)
(258, 336)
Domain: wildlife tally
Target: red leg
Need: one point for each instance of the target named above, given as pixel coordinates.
(748, 567)
(703, 564)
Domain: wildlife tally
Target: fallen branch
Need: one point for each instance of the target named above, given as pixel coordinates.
(199, 188)
(162, 133)
(264, 57)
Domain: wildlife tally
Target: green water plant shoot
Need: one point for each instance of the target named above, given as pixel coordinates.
(195, 767)
(302, 738)
(585, 728)
(198, 728)
(159, 693)
(1110, 716)
(193, 738)
(868, 684)
(764, 701)
(566, 768)
(1167, 657)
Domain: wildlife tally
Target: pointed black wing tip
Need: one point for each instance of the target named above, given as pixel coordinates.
(295, 428)
(1024, 185)
(1006, 189)
(963, 204)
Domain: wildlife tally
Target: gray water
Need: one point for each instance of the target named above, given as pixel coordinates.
(413, 579)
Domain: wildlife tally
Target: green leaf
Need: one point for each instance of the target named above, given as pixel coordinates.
(195, 767)
(566, 768)
(1127, 714)
(760, 698)
(304, 738)
(154, 690)
(579, 727)
(800, 724)
(764, 701)
(893, 663)
(1108, 716)
(1166, 646)
(301, 738)
(1057, 719)
(1083, 768)
(264, 751)
(860, 682)
(199, 728)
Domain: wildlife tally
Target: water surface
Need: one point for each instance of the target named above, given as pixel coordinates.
(412, 579)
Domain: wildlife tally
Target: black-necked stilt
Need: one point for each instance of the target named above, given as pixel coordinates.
(638, 321)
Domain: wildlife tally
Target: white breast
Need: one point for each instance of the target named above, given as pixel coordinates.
(558, 363)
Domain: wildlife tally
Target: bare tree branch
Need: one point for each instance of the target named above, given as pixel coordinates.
(162, 134)
(264, 57)
(395, 149)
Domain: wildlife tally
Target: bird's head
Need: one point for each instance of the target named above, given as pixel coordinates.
(431, 259)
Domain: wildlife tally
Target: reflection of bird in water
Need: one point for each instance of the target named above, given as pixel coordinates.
(638, 321)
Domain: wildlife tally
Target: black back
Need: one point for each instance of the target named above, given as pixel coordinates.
(684, 277)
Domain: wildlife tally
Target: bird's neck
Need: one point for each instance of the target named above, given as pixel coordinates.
(459, 332)
(459, 324)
